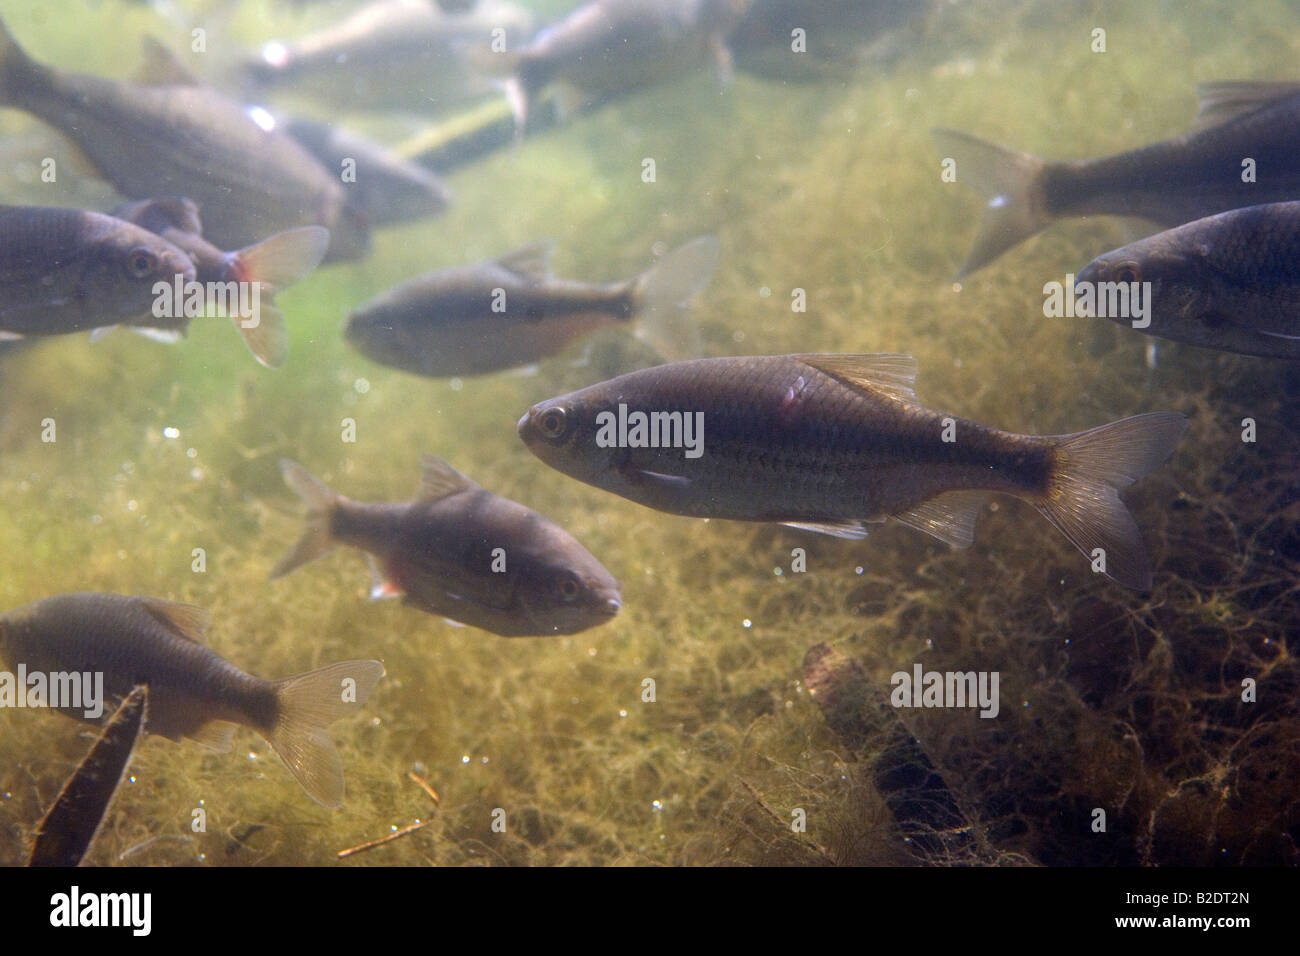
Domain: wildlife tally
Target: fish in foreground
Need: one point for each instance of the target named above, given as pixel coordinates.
(1170, 183)
(183, 139)
(68, 270)
(69, 827)
(193, 692)
(827, 442)
(1229, 282)
(502, 313)
(274, 264)
(606, 47)
(460, 551)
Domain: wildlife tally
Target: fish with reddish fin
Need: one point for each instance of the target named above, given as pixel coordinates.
(828, 442)
(462, 552)
(193, 692)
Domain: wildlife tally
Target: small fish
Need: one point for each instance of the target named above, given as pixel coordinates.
(503, 313)
(606, 47)
(460, 551)
(193, 692)
(68, 270)
(274, 264)
(69, 827)
(1170, 183)
(182, 139)
(1229, 282)
(384, 189)
(826, 442)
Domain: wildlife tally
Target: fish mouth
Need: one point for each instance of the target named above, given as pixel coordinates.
(609, 607)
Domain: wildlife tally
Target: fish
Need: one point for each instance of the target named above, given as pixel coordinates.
(193, 692)
(72, 270)
(828, 442)
(462, 552)
(392, 54)
(1169, 183)
(383, 189)
(607, 47)
(511, 311)
(67, 830)
(183, 139)
(1229, 282)
(274, 264)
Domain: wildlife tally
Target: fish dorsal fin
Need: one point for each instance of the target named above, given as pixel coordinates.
(891, 375)
(184, 620)
(438, 479)
(1231, 99)
(162, 67)
(532, 262)
(950, 516)
(175, 212)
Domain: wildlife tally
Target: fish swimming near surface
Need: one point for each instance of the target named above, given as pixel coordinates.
(193, 692)
(69, 270)
(1170, 183)
(606, 47)
(503, 313)
(184, 139)
(462, 552)
(1229, 282)
(274, 264)
(828, 442)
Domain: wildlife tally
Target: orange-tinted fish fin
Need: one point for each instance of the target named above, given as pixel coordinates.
(893, 376)
(1083, 491)
(849, 528)
(308, 703)
(381, 588)
(162, 67)
(264, 334)
(1009, 182)
(184, 620)
(1231, 99)
(320, 502)
(438, 479)
(215, 735)
(283, 259)
(531, 262)
(950, 517)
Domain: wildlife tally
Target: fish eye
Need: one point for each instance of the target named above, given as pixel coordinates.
(1128, 271)
(551, 423)
(141, 263)
(569, 588)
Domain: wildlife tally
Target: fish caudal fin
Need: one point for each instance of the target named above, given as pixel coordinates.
(275, 263)
(1010, 183)
(308, 703)
(320, 501)
(1083, 491)
(661, 294)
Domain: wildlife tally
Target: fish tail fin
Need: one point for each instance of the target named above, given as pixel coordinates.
(275, 264)
(320, 502)
(1011, 184)
(307, 704)
(1083, 490)
(661, 294)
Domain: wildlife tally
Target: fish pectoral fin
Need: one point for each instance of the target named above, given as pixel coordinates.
(1231, 99)
(215, 735)
(891, 375)
(162, 67)
(381, 588)
(165, 336)
(438, 479)
(7, 336)
(184, 620)
(531, 262)
(447, 620)
(851, 528)
(950, 517)
(641, 476)
(97, 335)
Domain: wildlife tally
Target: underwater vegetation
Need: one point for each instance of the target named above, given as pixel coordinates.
(743, 706)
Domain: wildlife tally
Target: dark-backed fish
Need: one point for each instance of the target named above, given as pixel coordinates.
(1229, 282)
(827, 442)
(68, 270)
(1170, 183)
(502, 313)
(193, 692)
(462, 552)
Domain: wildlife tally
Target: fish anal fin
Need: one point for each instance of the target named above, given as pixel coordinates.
(184, 620)
(850, 528)
(215, 735)
(891, 375)
(950, 517)
(438, 479)
(531, 262)
(1232, 99)
(382, 588)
